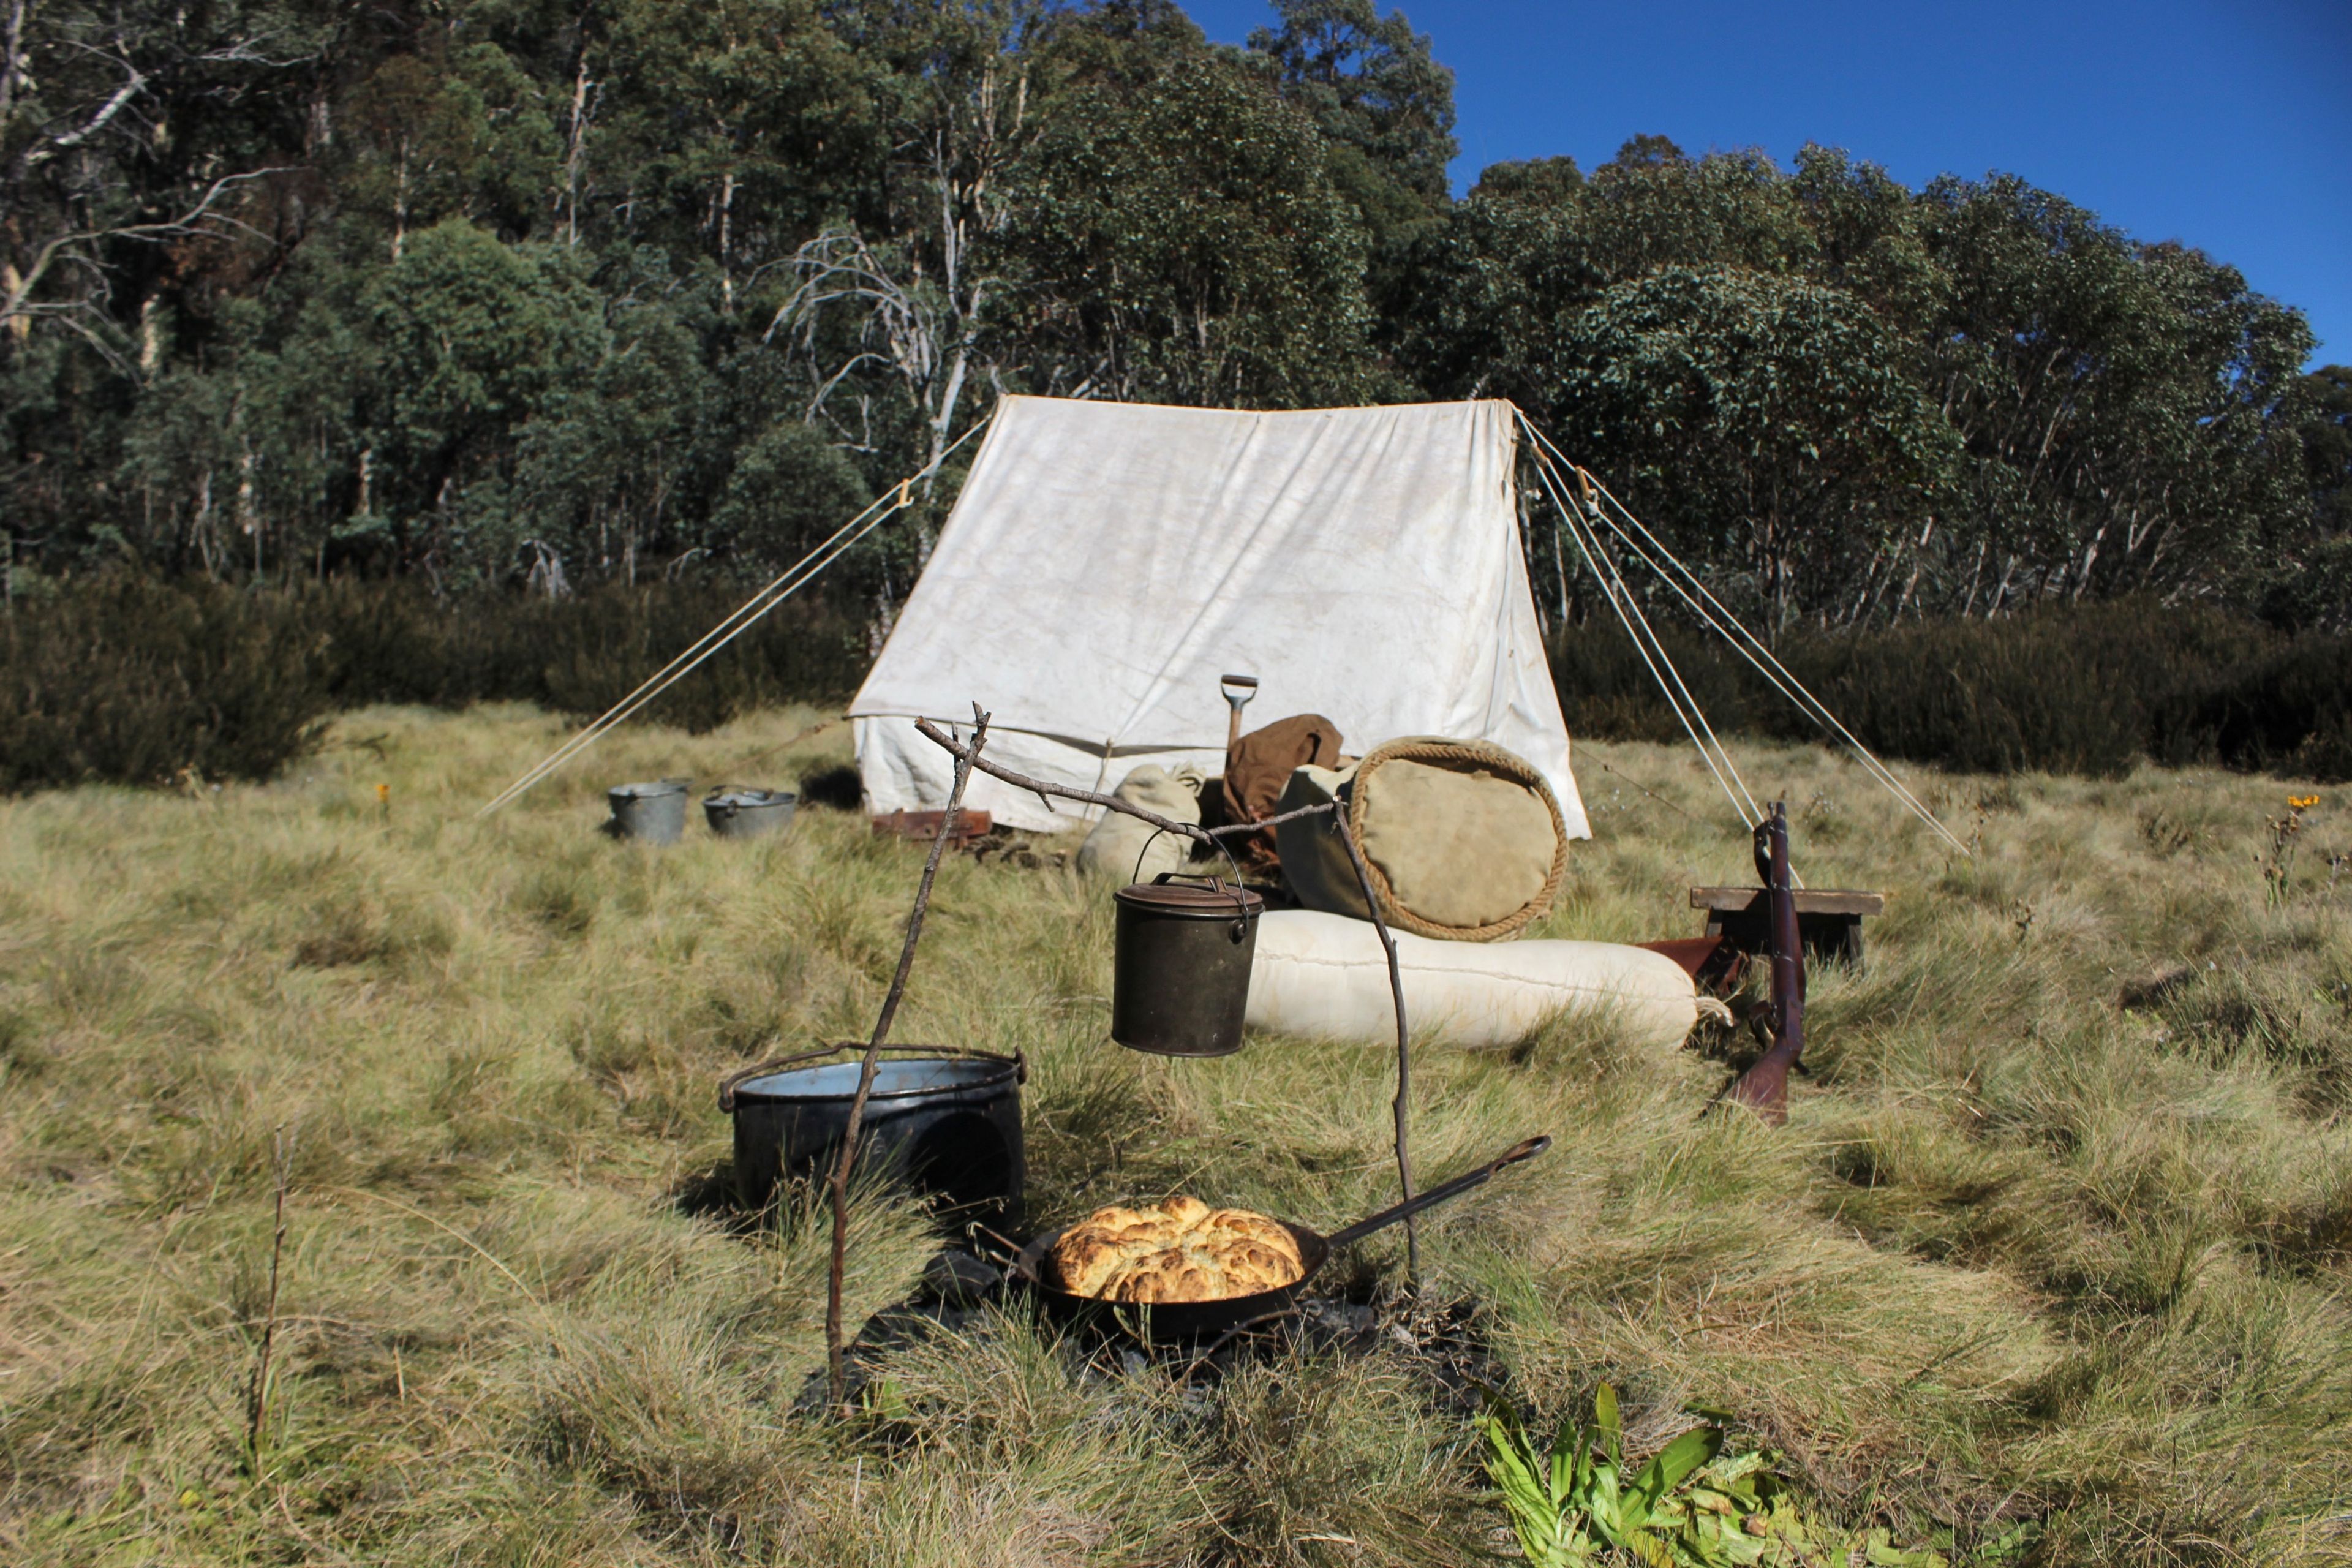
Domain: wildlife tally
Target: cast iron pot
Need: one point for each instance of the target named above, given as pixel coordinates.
(946, 1122)
(1176, 1323)
(1180, 978)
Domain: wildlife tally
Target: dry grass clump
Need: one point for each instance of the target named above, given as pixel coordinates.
(2056, 1237)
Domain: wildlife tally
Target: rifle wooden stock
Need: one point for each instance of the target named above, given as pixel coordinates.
(1764, 1088)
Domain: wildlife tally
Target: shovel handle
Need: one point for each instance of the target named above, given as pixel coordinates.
(1527, 1149)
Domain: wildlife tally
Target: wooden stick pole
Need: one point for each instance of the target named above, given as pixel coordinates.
(969, 756)
(1401, 1107)
(257, 1398)
(836, 1368)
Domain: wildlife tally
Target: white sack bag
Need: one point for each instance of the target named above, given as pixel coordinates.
(1117, 842)
(1325, 975)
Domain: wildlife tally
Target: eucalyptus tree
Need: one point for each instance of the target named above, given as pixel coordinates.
(1766, 425)
(461, 133)
(2326, 431)
(1380, 102)
(727, 134)
(2125, 409)
(478, 340)
(139, 147)
(885, 312)
(126, 132)
(603, 477)
(1179, 238)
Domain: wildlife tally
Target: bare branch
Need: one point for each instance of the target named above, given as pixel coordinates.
(837, 1372)
(198, 217)
(37, 154)
(968, 758)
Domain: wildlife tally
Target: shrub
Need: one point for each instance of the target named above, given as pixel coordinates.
(2291, 709)
(131, 680)
(391, 642)
(2088, 690)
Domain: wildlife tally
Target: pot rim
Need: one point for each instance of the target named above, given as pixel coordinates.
(1223, 901)
(651, 789)
(736, 1088)
(749, 799)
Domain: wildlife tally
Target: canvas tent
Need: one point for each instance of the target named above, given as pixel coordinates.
(1107, 563)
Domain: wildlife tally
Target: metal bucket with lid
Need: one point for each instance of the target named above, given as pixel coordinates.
(1180, 979)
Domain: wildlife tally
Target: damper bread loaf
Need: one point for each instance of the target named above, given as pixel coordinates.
(1179, 1250)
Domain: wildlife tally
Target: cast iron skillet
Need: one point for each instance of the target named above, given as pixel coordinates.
(1177, 1321)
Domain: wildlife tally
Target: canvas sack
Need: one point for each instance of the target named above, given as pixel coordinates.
(1323, 977)
(1114, 843)
(1463, 841)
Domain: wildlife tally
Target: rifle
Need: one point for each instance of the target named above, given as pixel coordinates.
(1764, 1088)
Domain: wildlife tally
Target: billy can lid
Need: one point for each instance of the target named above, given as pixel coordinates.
(1203, 899)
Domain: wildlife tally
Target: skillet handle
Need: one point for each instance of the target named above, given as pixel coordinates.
(1527, 1149)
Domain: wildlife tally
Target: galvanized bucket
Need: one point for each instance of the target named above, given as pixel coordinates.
(654, 813)
(749, 812)
(1180, 977)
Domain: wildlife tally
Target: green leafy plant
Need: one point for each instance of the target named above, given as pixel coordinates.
(1689, 1505)
(2278, 865)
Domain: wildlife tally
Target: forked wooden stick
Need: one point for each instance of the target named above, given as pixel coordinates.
(1403, 1105)
(837, 1371)
(968, 757)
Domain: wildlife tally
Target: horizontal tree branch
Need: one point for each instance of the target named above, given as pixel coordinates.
(1207, 837)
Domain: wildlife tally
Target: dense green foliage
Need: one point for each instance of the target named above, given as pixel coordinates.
(125, 679)
(2089, 689)
(129, 678)
(1850, 401)
(529, 292)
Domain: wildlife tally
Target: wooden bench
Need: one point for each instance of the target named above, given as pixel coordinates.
(1829, 921)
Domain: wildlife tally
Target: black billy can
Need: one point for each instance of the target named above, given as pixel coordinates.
(1180, 979)
(943, 1121)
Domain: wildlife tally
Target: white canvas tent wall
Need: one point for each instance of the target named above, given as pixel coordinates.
(1106, 562)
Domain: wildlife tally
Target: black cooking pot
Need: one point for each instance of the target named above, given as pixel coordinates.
(1177, 1323)
(1179, 975)
(943, 1121)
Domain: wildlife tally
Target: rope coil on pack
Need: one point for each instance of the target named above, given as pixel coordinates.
(1480, 756)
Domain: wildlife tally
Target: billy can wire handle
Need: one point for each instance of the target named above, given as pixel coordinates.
(1231, 864)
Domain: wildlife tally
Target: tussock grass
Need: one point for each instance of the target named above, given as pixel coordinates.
(2023, 1255)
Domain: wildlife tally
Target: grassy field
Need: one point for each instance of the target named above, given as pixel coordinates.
(2032, 1274)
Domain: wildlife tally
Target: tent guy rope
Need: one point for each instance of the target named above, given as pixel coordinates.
(896, 499)
(1712, 614)
(1628, 611)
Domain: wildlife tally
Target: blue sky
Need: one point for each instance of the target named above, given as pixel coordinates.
(2228, 127)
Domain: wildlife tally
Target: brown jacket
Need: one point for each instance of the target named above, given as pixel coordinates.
(1258, 769)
